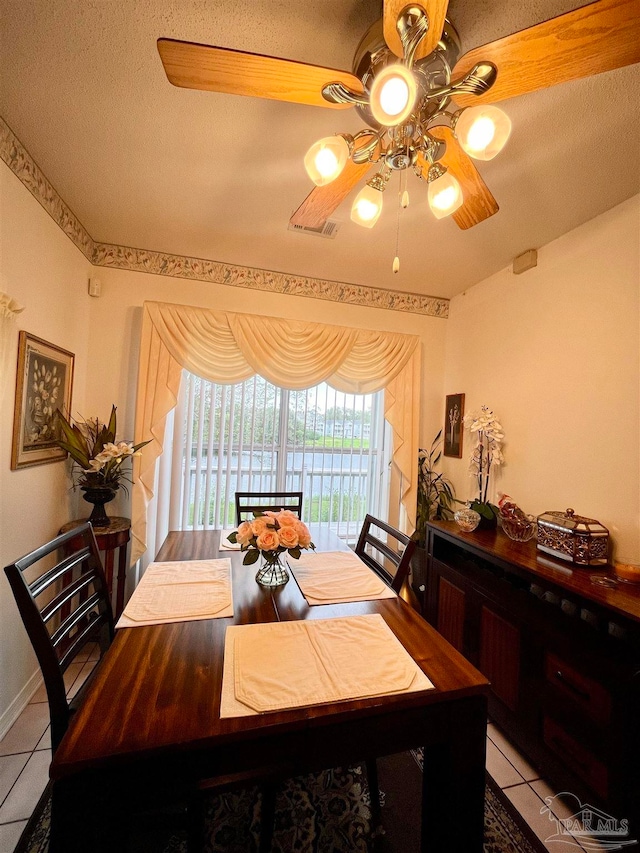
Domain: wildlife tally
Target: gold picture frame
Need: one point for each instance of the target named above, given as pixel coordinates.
(453, 423)
(44, 383)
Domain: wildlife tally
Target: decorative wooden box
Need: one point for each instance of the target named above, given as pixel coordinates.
(582, 541)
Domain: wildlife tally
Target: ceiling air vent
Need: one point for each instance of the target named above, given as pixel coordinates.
(328, 230)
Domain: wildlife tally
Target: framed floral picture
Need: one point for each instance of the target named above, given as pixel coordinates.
(43, 385)
(453, 415)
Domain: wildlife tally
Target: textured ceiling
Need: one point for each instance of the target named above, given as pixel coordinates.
(215, 176)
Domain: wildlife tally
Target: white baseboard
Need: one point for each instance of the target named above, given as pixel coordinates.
(19, 703)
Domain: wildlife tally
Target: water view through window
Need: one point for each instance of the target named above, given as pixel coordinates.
(254, 436)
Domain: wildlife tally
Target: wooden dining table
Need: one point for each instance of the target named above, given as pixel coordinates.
(150, 726)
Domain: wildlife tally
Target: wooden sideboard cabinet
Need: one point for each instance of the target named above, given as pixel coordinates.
(562, 655)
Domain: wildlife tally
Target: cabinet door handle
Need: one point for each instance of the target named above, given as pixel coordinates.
(562, 678)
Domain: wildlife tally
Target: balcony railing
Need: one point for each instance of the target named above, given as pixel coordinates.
(334, 496)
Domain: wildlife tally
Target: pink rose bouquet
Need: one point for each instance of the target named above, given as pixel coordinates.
(271, 534)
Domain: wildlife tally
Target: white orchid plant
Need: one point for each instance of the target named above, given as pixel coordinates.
(487, 451)
(92, 446)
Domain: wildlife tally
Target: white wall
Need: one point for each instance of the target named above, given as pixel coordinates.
(555, 353)
(44, 271)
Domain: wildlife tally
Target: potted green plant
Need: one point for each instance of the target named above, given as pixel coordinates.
(435, 501)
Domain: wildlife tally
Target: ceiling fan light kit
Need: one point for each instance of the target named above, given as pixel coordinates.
(426, 106)
(393, 95)
(482, 131)
(326, 158)
(367, 205)
(444, 193)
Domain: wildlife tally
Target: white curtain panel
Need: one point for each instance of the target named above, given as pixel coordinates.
(227, 348)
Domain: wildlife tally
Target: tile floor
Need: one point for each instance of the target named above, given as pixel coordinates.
(25, 753)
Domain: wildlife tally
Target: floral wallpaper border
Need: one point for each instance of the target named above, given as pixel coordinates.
(24, 167)
(197, 269)
(18, 159)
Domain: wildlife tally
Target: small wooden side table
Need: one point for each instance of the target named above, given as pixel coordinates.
(116, 535)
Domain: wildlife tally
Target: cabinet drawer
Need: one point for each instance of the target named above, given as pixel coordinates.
(590, 696)
(576, 756)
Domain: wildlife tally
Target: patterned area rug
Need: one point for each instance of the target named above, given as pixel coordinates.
(321, 813)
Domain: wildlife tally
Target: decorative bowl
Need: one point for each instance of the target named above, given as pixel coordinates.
(467, 519)
(628, 572)
(518, 529)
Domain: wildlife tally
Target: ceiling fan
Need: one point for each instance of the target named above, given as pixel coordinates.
(426, 107)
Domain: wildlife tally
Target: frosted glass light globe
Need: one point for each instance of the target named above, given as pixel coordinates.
(444, 195)
(482, 131)
(393, 95)
(326, 159)
(367, 207)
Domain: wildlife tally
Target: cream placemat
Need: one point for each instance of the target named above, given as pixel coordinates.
(180, 592)
(331, 577)
(224, 541)
(279, 665)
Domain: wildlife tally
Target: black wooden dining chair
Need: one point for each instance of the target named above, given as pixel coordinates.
(61, 593)
(249, 503)
(388, 557)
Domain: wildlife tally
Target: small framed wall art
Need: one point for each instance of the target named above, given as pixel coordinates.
(453, 415)
(43, 385)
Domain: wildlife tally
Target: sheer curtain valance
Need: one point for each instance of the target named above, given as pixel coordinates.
(227, 348)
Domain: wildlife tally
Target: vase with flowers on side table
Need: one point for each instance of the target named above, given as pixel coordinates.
(99, 469)
(98, 493)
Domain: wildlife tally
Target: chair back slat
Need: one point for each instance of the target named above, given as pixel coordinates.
(249, 503)
(81, 604)
(39, 585)
(66, 595)
(79, 640)
(75, 618)
(399, 556)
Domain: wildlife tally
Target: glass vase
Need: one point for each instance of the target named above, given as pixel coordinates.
(273, 569)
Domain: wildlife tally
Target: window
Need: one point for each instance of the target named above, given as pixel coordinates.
(254, 436)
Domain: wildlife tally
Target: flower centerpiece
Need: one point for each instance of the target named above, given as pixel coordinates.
(487, 452)
(269, 537)
(98, 461)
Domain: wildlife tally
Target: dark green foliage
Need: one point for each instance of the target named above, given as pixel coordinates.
(435, 492)
(488, 513)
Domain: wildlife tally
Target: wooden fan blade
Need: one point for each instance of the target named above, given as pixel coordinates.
(479, 204)
(322, 201)
(436, 11)
(217, 69)
(590, 40)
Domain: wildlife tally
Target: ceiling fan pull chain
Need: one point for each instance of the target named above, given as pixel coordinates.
(402, 192)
